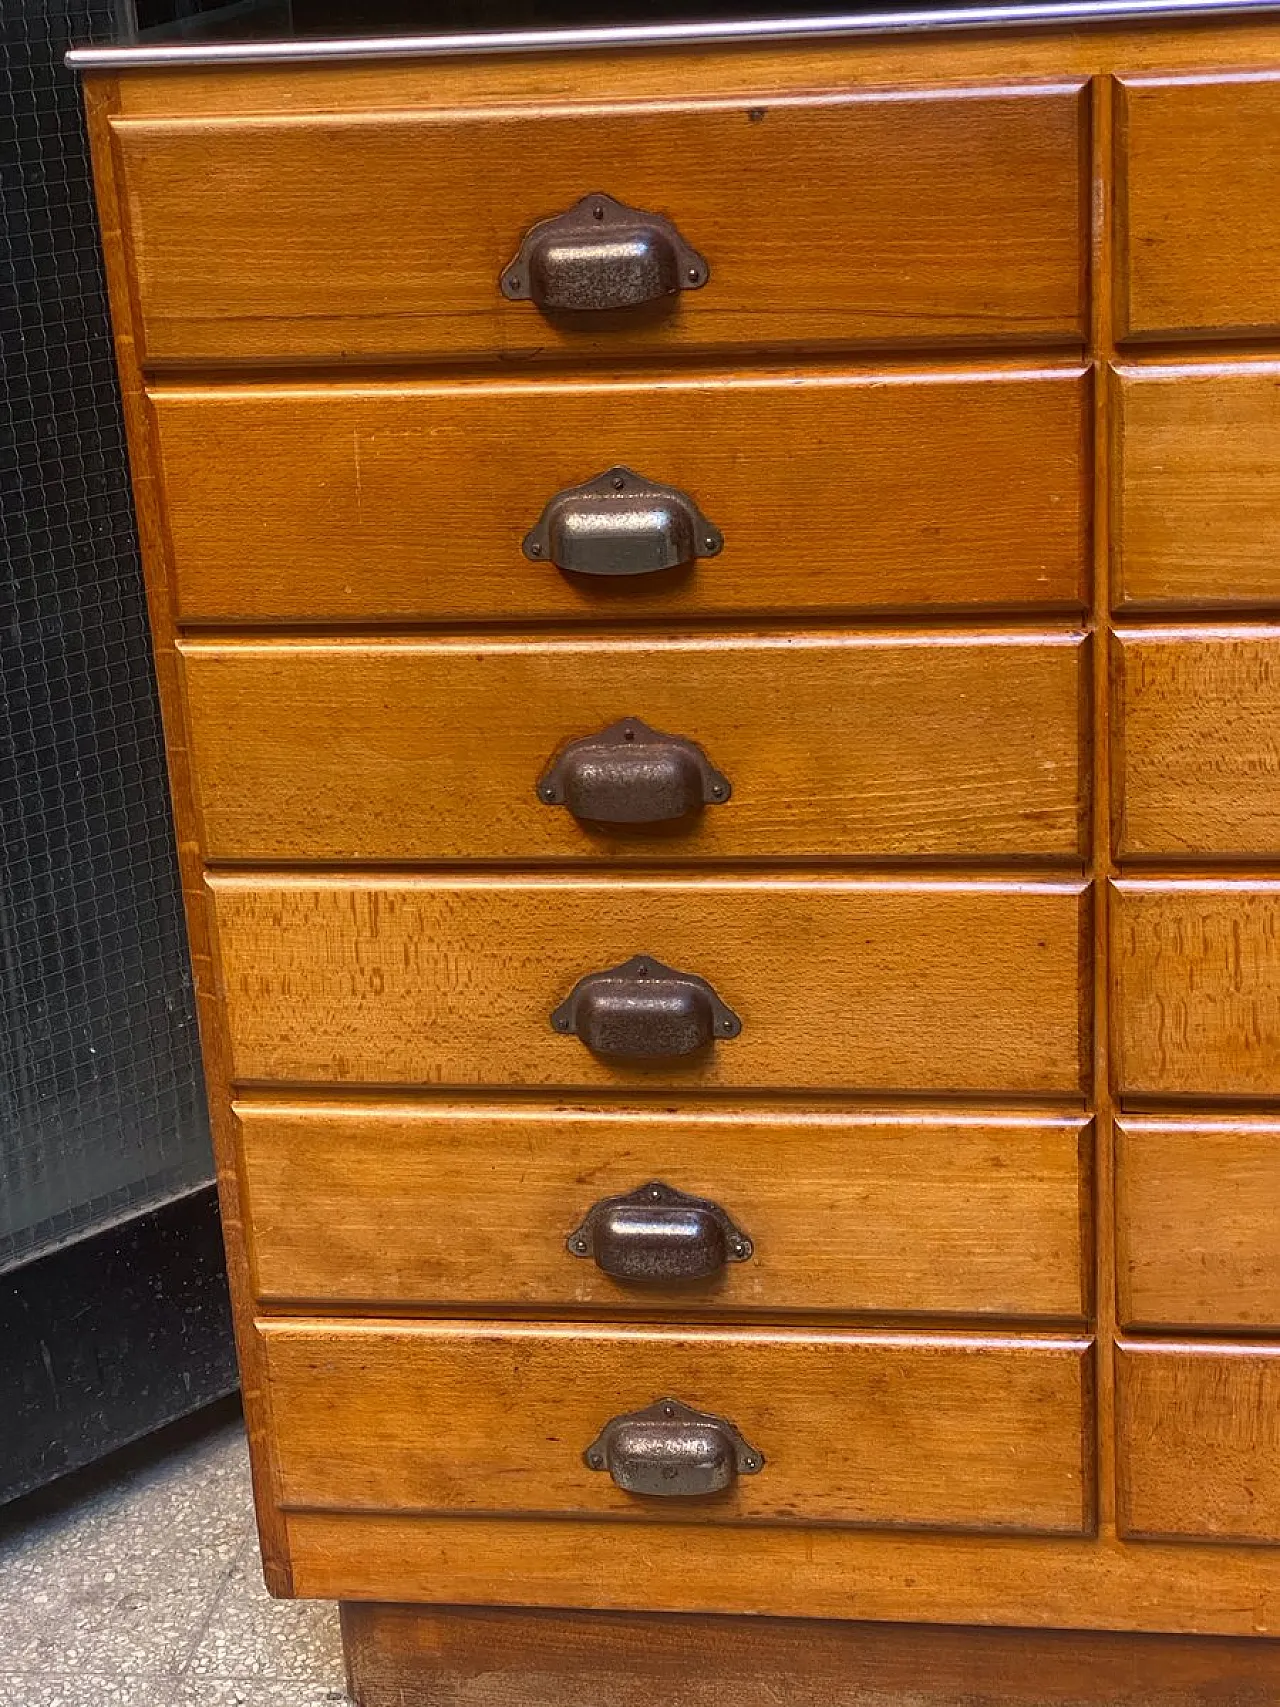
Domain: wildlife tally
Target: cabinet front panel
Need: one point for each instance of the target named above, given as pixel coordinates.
(859, 1213)
(853, 1428)
(1198, 215)
(830, 220)
(1198, 742)
(1197, 1228)
(839, 984)
(1196, 974)
(943, 744)
(1197, 516)
(1199, 1441)
(833, 491)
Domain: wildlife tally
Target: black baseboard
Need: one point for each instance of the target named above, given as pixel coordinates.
(111, 1338)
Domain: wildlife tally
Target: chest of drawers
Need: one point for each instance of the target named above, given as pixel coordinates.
(715, 605)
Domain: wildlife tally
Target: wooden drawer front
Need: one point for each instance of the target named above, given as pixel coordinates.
(1199, 1441)
(854, 1428)
(432, 750)
(898, 1213)
(826, 220)
(1057, 1587)
(1198, 215)
(1199, 750)
(1198, 506)
(839, 984)
(834, 491)
(1196, 1223)
(1197, 971)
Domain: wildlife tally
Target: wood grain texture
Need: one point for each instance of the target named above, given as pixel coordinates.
(1102, 859)
(858, 1213)
(834, 489)
(1198, 485)
(1197, 716)
(1198, 1244)
(916, 61)
(829, 220)
(806, 1572)
(1220, 490)
(854, 1428)
(835, 746)
(1197, 210)
(523, 1657)
(840, 984)
(101, 102)
(1196, 971)
(1199, 1429)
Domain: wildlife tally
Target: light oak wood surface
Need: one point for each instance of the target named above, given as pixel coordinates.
(854, 1428)
(1196, 967)
(728, 70)
(1198, 216)
(840, 984)
(1197, 721)
(835, 490)
(424, 1204)
(1102, 247)
(829, 220)
(1198, 1236)
(102, 99)
(1197, 479)
(882, 745)
(282, 498)
(808, 1572)
(1200, 1441)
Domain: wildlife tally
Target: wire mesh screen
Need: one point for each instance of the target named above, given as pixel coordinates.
(101, 1110)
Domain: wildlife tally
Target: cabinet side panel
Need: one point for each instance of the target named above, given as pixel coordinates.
(101, 100)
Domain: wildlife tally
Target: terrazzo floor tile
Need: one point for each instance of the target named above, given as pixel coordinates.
(141, 1587)
(87, 1690)
(253, 1692)
(249, 1635)
(95, 1691)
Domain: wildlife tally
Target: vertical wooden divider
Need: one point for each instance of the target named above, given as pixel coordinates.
(1101, 339)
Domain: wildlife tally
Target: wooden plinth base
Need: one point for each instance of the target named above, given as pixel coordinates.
(414, 1656)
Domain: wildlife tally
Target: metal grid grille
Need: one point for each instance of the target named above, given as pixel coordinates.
(264, 20)
(101, 1111)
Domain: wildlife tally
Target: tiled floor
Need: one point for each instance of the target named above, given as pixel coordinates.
(141, 1587)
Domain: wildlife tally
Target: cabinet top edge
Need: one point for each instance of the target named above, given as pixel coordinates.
(159, 54)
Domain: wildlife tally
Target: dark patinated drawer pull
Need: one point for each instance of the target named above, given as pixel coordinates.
(601, 255)
(619, 523)
(660, 1235)
(644, 1009)
(671, 1449)
(631, 774)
